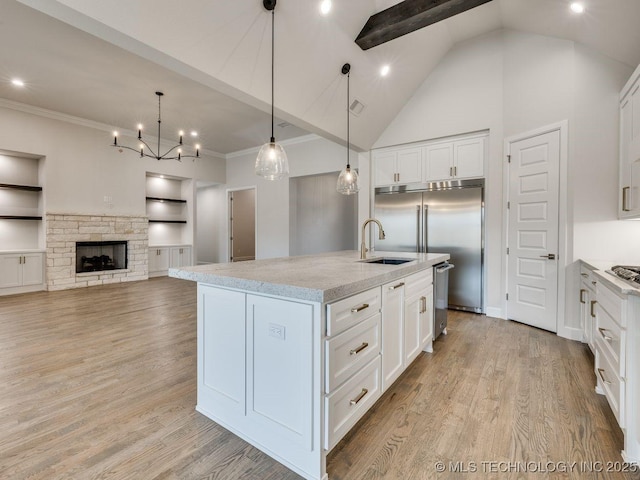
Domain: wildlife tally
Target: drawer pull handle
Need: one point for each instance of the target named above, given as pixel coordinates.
(356, 400)
(625, 199)
(594, 283)
(356, 351)
(604, 335)
(360, 308)
(593, 304)
(401, 284)
(585, 275)
(601, 373)
(582, 292)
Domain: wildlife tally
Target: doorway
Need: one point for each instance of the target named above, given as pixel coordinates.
(242, 224)
(535, 260)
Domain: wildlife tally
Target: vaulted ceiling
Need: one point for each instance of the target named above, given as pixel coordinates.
(103, 60)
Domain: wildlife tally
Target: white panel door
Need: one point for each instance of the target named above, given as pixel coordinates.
(10, 270)
(410, 165)
(438, 162)
(384, 165)
(32, 269)
(392, 332)
(533, 231)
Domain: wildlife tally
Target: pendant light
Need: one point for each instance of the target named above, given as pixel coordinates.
(348, 180)
(272, 162)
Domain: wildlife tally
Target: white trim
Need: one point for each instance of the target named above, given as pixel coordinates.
(495, 312)
(228, 222)
(83, 122)
(291, 141)
(434, 141)
(563, 248)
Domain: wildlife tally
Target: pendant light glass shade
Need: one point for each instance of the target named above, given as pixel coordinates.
(348, 179)
(272, 162)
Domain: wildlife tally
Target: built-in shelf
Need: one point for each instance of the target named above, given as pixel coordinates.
(20, 217)
(167, 221)
(174, 200)
(28, 188)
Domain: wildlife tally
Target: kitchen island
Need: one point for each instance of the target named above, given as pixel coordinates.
(293, 351)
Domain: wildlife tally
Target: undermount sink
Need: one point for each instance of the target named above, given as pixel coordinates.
(388, 260)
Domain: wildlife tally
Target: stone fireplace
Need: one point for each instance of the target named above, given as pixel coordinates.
(115, 249)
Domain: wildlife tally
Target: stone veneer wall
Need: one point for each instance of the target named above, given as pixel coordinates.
(64, 230)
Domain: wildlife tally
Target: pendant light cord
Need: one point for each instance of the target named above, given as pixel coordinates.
(348, 118)
(273, 29)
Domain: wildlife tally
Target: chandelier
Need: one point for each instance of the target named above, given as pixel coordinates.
(174, 153)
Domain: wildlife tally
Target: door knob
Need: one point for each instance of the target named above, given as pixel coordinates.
(551, 256)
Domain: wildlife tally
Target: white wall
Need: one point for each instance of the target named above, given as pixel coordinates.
(512, 82)
(307, 156)
(80, 168)
(208, 223)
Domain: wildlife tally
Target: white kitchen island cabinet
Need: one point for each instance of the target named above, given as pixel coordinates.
(291, 351)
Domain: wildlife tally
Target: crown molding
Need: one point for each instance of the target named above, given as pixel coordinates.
(83, 122)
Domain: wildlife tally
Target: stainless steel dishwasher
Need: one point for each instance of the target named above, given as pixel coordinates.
(440, 297)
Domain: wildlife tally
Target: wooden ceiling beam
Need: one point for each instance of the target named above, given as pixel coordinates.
(409, 16)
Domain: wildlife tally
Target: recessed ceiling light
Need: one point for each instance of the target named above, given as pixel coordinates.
(194, 133)
(17, 82)
(384, 71)
(577, 7)
(325, 7)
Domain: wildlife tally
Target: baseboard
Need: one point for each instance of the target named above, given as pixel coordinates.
(495, 312)
(571, 333)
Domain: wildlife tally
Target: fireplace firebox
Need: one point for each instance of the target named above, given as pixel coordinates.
(101, 256)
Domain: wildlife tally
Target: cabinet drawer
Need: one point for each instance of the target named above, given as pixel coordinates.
(588, 278)
(612, 303)
(345, 406)
(345, 313)
(351, 350)
(611, 384)
(418, 283)
(610, 338)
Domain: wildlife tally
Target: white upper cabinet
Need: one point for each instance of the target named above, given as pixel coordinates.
(629, 170)
(398, 166)
(456, 158)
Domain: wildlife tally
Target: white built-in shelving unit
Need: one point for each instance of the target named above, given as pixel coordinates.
(170, 230)
(22, 251)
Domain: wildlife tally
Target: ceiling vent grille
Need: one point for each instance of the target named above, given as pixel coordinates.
(356, 107)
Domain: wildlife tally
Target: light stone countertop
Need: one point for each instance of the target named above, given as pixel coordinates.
(319, 278)
(620, 286)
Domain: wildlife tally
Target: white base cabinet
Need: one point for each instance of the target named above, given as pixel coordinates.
(616, 335)
(21, 272)
(162, 258)
(292, 377)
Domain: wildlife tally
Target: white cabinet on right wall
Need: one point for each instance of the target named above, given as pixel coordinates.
(629, 191)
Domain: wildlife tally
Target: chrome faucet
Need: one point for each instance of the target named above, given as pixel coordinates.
(363, 245)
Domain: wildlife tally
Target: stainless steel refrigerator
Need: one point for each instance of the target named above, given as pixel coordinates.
(439, 217)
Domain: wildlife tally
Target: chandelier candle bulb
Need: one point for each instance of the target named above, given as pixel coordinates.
(115, 139)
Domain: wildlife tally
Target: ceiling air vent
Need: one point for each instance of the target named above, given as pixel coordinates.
(356, 107)
(284, 124)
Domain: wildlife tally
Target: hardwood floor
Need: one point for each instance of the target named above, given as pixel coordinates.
(101, 383)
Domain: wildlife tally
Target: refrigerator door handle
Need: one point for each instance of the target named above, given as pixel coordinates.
(425, 218)
(417, 228)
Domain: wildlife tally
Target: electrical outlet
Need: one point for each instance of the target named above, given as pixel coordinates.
(276, 331)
